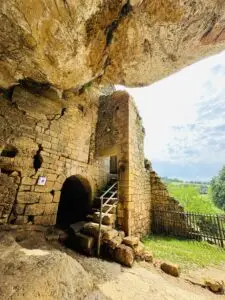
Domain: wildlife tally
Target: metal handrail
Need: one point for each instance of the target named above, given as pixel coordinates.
(110, 198)
(109, 189)
(100, 218)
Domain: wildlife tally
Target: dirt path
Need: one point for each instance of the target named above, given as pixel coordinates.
(107, 280)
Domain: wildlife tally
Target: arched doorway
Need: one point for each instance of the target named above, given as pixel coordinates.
(74, 202)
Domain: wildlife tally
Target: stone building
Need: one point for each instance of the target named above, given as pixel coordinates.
(62, 147)
(58, 131)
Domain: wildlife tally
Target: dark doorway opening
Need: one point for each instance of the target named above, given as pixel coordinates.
(74, 202)
(113, 164)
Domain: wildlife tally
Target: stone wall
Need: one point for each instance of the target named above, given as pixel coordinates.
(45, 133)
(162, 204)
(112, 139)
(161, 200)
(120, 132)
(139, 177)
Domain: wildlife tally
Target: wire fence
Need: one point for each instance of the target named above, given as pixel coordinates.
(202, 227)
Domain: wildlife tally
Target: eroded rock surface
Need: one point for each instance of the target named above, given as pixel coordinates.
(69, 44)
(40, 274)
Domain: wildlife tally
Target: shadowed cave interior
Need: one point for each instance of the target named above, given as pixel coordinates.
(74, 202)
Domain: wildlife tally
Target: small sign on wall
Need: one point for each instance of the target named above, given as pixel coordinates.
(42, 180)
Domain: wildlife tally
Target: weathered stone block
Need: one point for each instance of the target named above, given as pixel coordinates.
(56, 197)
(20, 220)
(148, 256)
(215, 286)
(24, 188)
(47, 188)
(34, 209)
(107, 219)
(51, 208)
(139, 251)
(45, 220)
(171, 269)
(27, 197)
(20, 209)
(83, 243)
(109, 235)
(131, 241)
(92, 229)
(57, 186)
(51, 177)
(46, 198)
(28, 181)
(124, 255)
(115, 242)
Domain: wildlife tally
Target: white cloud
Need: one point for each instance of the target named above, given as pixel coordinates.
(183, 114)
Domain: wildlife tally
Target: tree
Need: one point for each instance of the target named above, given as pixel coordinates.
(218, 189)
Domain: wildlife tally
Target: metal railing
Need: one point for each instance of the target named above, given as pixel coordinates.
(100, 216)
(202, 227)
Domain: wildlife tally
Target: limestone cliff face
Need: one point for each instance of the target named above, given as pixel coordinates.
(69, 43)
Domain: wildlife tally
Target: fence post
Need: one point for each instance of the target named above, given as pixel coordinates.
(220, 231)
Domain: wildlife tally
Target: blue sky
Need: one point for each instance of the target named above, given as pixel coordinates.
(184, 118)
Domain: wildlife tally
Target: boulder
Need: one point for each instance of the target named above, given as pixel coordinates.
(121, 233)
(148, 256)
(131, 241)
(110, 235)
(171, 269)
(124, 255)
(139, 251)
(40, 274)
(116, 241)
(215, 286)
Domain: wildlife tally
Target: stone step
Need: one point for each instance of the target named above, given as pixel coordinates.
(76, 227)
(108, 206)
(97, 202)
(107, 219)
(90, 218)
(92, 228)
(82, 243)
(105, 208)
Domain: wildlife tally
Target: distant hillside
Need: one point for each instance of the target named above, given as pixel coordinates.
(194, 197)
(176, 180)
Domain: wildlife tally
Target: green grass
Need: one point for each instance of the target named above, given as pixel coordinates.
(189, 254)
(188, 195)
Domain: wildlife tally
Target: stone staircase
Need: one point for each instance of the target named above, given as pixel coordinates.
(109, 198)
(84, 236)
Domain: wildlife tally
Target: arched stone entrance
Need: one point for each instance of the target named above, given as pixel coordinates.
(74, 202)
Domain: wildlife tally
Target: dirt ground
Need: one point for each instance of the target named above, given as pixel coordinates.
(93, 279)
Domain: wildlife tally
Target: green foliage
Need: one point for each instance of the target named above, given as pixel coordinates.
(218, 189)
(187, 253)
(189, 196)
(170, 180)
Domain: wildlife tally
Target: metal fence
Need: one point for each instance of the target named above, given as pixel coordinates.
(202, 227)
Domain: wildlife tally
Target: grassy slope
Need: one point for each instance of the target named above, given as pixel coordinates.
(187, 253)
(192, 200)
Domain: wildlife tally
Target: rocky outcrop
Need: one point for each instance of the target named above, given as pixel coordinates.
(69, 44)
(40, 274)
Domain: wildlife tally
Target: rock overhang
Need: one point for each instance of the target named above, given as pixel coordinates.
(70, 44)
